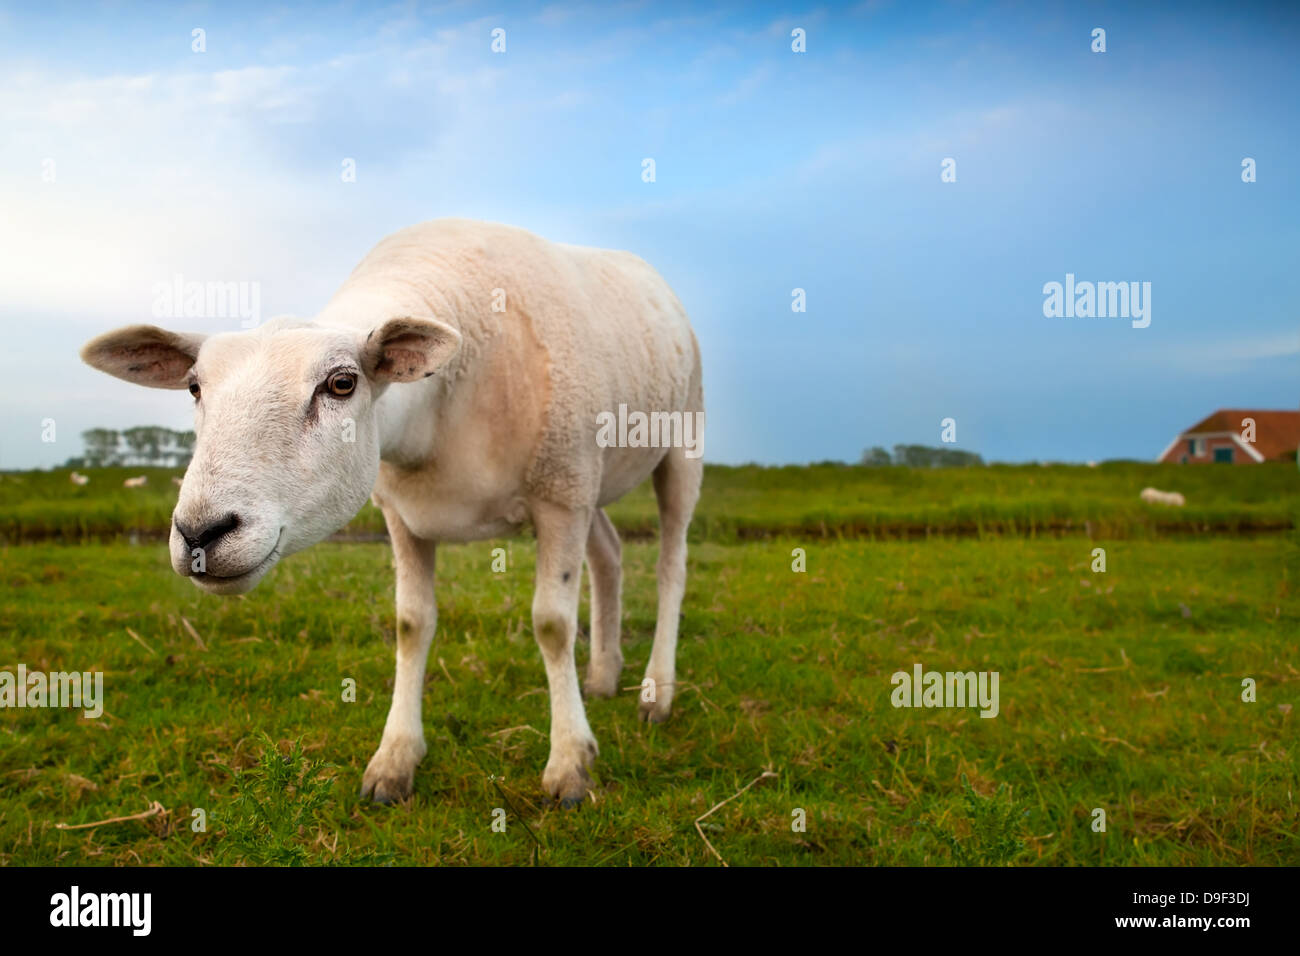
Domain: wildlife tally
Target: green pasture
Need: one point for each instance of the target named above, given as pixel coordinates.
(1120, 691)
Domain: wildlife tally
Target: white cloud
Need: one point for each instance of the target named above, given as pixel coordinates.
(746, 87)
(1228, 355)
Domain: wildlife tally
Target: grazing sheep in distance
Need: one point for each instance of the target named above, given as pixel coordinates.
(138, 482)
(78, 479)
(1156, 497)
(176, 481)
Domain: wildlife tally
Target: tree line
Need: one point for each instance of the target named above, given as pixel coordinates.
(153, 445)
(919, 456)
(144, 445)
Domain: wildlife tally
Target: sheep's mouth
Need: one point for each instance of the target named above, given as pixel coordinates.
(241, 582)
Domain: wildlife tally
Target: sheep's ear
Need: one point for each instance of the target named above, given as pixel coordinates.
(145, 355)
(408, 349)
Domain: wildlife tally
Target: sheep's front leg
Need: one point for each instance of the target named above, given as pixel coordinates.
(390, 775)
(561, 539)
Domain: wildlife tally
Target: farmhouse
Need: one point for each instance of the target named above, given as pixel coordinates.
(1237, 437)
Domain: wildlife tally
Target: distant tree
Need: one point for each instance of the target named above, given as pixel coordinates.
(101, 447)
(875, 457)
(157, 446)
(184, 442)
(923, 456)
(142, 442)
(151, 445)
(955, 458)
(914, 456)
(162, 443)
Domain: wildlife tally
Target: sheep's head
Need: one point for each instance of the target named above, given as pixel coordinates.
(287, 445)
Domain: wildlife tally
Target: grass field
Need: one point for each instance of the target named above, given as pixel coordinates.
(1119, 690)
(739, 504)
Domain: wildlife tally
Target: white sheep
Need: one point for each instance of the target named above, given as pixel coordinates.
(78, 479)
(138, 482)
(462, 374)
(1154, 496)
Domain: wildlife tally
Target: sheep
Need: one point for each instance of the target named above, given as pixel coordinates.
(138, 482)
(1156, 497)
(176, 481)
(459, 378)
(78, 479)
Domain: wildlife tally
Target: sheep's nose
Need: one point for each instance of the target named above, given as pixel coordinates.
(203, 537)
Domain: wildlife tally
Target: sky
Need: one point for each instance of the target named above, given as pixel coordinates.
(128, 158)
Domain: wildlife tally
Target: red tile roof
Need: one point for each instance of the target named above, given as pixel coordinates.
(1277, 433)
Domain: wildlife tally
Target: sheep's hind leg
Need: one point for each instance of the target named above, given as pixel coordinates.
(677, 486)
(605, 568)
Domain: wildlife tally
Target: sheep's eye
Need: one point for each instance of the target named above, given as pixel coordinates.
(341, 384)
(194, 389)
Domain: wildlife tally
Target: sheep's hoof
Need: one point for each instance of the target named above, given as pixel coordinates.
(387, 789)
(601, 682)
(390, 775)
(566, 780)
(655, 711)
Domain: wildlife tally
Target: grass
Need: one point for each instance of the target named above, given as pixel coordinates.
(1119, 690)
(822, 501)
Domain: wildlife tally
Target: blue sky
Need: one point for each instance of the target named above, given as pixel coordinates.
(774, 170)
